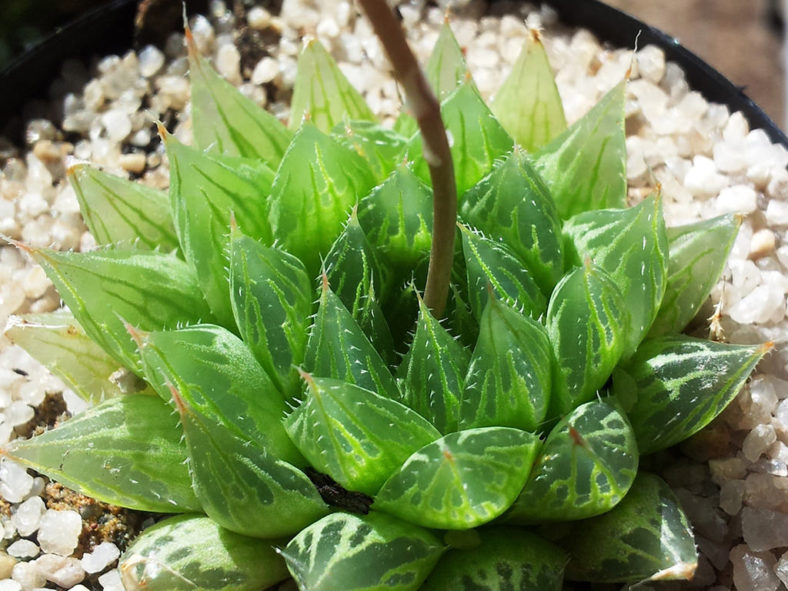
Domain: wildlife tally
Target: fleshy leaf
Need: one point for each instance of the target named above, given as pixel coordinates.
(127, 451)
(353, 435)
(322, 94)
(217, 376)
(316, 186)
(512, 203)
(397, 218)
(271, 296)
(382, 148)
(337, 348)
(508, 382)
(646, 537)
(697, 256)
(269, 497)
(585, 166)
(58, 342)
(104, 289)
(632, 246)
(585, 467)
(528, 104)
(226, 121)
(588, 325)
(463, 480)
(165, 558)
(505, 559)
(674, 386)
(446, 69)
(477, 139)
(372, 552)
(433, 372)
(118, 211)
(491, 262)
(206, 190)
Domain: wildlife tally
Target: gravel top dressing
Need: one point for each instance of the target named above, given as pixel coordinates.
(732, 478)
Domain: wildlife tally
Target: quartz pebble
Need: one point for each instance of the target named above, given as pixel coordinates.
(110, 581)
(23, 549)
(15, 482)
(100, 558)
(59, 531)
(753, 571)
(60, 570)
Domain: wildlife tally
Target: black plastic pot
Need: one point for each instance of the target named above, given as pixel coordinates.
(110, 28)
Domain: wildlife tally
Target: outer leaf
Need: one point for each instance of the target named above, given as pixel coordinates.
(462, 480)
(103, 289)
(241, 486)
(338, 348)
(489, 262)
(528, 104)
(316, 186)
(645, 537)
(675, 386)
(509, 377)
(322, 94)
(382, 148)
(126, 451)
(588, 325)
(514, 204)
(433, 372)
(271, 296)
(477, 138)
(585, 166)
(506, 558)
(226, 121)
(373, 552)
(446, 69)
(697, 256)
(120, 211)
(59, 343)
(397, 218)
(632, 246)
(166, 558)
(214, 372)
(206, 190)
(355, 436)
(585, 467)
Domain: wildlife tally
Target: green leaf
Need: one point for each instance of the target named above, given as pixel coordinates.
(316, 186)
(512, 203)
(505, 559)
(353, 435)
(585, 468)
(217, 376)
(585, 166)
(397, 218)
(446, 69)
(432, 373)
(697, 256)
(477, 139)
(104, 289)
(271, 296)
(118, 211)
(58, 342)
(165, 557)
(227, 122)
(491, 262)
(588, 325)
(372, 552)
(322, 94)
(646, 537)
(632, 246)
(206, 190)
(674, 386)
(463, 480)
(508, 382)
(528, 104)
(127, 451)
(337, 348)
(241, 485)
(382, 148)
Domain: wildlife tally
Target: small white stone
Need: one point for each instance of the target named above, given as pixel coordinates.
(258, 17)
(265, 70)
(703, 180)
(731, 494)
(134, 162)
(777, 213)
(764, 529)
(737, 127)
(151, 60)
(102, 556)
(117, 123)
(59, 531)
(110, 581)
(753, 571)
(15, 482)
(737, 199)
(27, 575)
(651, 63)
(228, 62)
(23, 549)
(79, 588)
(10, 585)
(763, 243)
(60, 570)
(758, 441)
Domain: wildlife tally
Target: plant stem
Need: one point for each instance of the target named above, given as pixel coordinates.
(426, 110)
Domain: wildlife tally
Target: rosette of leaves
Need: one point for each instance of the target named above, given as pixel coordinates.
(262, 362)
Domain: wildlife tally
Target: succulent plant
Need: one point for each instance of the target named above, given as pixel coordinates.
(263, 363)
